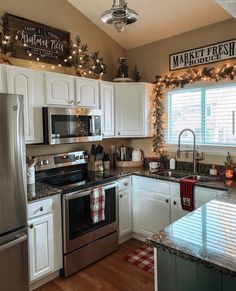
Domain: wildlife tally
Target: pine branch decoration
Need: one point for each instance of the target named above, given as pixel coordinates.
(79, 56)
(97, 67)
(191, 76)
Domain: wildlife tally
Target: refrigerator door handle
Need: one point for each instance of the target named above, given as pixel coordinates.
(13, 243)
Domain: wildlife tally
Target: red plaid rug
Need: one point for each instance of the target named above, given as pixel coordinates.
(143, 258)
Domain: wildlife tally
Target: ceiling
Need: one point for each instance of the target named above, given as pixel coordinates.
(158, 19)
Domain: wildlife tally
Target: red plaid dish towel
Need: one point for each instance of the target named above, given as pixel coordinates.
(97, 205)
(187, 194)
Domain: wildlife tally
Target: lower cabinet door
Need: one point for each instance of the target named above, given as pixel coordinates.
(176, 209)
(125, 213)
(41, 253)
(151, 212)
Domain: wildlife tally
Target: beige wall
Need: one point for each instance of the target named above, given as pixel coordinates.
(153, 59)
(61, 14)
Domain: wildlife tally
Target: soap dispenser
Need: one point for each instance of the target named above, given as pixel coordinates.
(172, 163)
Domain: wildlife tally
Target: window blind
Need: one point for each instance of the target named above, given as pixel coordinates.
(209, 112)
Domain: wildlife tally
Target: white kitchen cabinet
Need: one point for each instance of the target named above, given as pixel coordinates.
(177, 211)
(41, 239)
(87, 93)
(125, 207)
(106, 90)
(21, 81)
(133, 109)
(45, 238)
(151, 205)
(60, 89)
(30, 84)
(152, 212)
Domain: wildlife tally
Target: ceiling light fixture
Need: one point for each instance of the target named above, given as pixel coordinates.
(119, 15)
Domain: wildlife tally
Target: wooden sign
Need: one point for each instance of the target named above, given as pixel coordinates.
(204, 55)
(36, 41)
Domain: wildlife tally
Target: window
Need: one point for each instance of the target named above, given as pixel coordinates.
(209, 112)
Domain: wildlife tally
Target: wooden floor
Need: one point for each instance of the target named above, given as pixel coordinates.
(109, 274)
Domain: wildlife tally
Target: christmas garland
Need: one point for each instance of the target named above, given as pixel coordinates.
(170, 82)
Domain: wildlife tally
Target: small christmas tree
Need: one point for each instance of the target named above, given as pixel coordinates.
(97, 67)
(79, 56)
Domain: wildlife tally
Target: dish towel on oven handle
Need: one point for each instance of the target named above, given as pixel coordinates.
(97, 205)
(187, 194)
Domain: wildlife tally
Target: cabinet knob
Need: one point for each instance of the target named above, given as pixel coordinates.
(71, 102)
(41, 208)
(121, 196)
(126, 184)
(118, 133)
(167, 200)
(79, 102)
(31, 226)
(174, 202)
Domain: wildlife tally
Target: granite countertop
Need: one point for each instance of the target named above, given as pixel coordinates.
(206, 235)
(41, 190)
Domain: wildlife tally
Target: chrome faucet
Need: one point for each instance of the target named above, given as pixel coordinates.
(196, 154)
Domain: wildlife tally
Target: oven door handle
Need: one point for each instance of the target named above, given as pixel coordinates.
(75, 195)
(79, 194)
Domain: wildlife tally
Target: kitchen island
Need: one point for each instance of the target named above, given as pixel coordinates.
(198, 252)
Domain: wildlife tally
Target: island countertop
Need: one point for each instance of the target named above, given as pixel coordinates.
(206, 235)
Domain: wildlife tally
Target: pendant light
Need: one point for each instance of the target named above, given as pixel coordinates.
(119, 15)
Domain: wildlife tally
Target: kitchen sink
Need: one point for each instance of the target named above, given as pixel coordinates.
(173, 174)
(202, 178)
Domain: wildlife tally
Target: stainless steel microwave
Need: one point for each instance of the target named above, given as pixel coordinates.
(71, 125)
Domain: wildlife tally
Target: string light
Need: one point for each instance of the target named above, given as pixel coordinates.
(171, 81)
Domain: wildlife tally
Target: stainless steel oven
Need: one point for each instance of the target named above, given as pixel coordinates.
(84, 241)
(71, 125)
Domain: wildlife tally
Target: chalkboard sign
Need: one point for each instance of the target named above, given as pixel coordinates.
(36, 41)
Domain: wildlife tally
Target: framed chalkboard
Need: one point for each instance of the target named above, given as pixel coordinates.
(36, 41)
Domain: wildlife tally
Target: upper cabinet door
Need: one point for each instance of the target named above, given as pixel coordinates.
(107, 107)
(129, 100)
(59, 89)
(87, 93)
(20, 81)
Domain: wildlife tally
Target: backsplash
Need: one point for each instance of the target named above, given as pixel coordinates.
(38, 150)
(201, 168)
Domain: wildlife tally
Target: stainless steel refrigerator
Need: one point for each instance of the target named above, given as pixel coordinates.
(13, 220)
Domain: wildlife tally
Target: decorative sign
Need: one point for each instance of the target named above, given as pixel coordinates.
(36, 41)
(203, 55)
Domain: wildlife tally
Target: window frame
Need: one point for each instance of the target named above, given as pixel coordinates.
(202, 86)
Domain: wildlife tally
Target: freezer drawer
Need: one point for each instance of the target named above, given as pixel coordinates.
(14, 262)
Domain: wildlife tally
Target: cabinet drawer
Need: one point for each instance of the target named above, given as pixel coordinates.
(152, 185)
(39, 208)
(124, 184)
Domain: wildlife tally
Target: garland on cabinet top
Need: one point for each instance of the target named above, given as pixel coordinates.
(79, 56)
(227, 72)
(84, 62)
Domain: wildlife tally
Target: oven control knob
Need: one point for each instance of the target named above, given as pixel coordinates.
(81, 157)
(40, 163)
(45, 162)
(77, 158)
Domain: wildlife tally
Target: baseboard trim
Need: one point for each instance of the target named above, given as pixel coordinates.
(44, 280)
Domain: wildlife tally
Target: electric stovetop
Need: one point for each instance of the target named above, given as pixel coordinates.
(71, 178)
